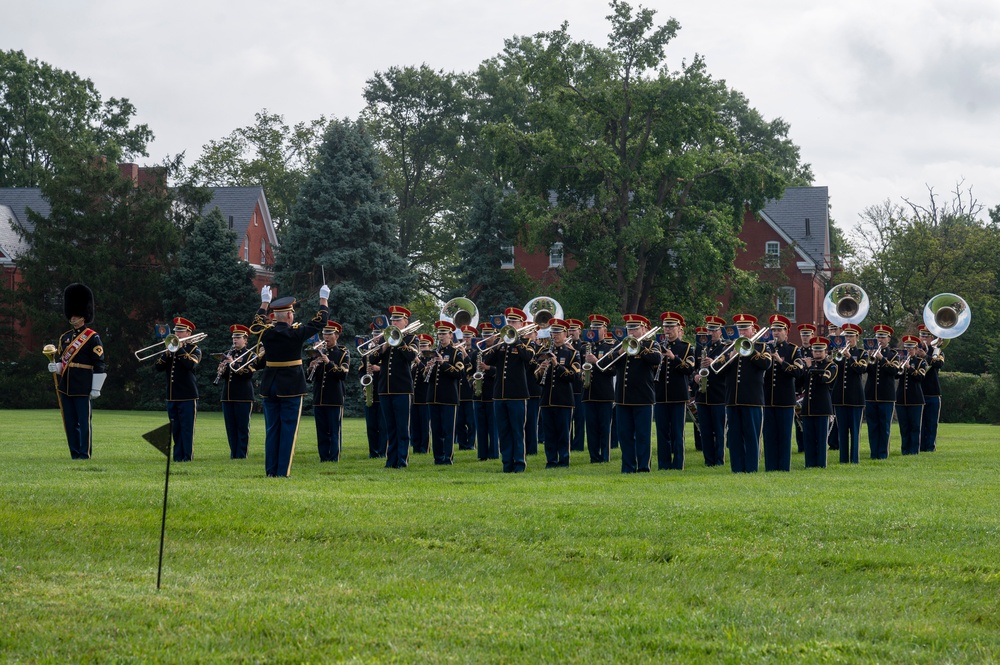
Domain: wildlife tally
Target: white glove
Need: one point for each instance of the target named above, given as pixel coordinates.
(324, 291)
(265, 294)
(94, 394)
(54, 367)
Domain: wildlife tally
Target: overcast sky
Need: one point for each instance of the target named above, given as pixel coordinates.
(883, 97)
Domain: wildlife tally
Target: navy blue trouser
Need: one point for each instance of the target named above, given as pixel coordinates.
(329, 420)
(712, 421)
(929, 423)
(635, 427)
(849, 429)
(486, 423)
(443, 432)
(281, 429)
(465, 426)
(579, 425)
(396, 418)
(778, 437)
(909, 427)
(556, 423)
(182, 415)
(669, 435)
(377, 440)
(76, 421)
(510, 415)
(599, 431)
(814, 440)
(237, 418)
(743, 425)
(420, 427)
(531, 429)
(878, 417)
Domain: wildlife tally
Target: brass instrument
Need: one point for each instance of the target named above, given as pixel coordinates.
(946, 316)
(393, 335)
(846, 303)
(744, 348)
(629, 346)
(477, 383)
(704, 371)
(367, 383)
(541, 310)
(586, 369)
(461, 312)
(321, 347)
(171, 344)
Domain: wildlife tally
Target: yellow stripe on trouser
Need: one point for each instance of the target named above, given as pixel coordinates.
(291, 455)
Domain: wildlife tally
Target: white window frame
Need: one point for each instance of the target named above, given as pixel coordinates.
(507, 264)
(786, 305)
(557, 258)
(263, 251)
(246, 249)
(772, 254)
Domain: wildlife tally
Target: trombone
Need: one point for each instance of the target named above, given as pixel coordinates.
(171, 343)
(630, 346)
(392, 335)
(744, 347)
(509, 334)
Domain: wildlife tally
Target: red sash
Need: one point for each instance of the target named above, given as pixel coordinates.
(76, 345)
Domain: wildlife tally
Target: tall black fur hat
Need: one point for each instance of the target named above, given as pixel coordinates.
(78, 300)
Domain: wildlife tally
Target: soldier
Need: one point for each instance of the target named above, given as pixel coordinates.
(849, 394)
(711, 398)
(934, 358)
(533, 433)
(329, 372)
(283, 381)
(806, 332)
(833, 437)
(744, 377)
(557, 372)
(598, 391)
(579, 425)
(482, 389)
(79, 372)
(393, 365)
(880, 393)
(911, 370)
(702, 340)
(817, 405)
(779, 396)
(374, 427)
(465, 417)
(671, 382)
(182, 389)
(635, 395)
(420, 412)
(510, 392)
(236, 374)
(444, 370)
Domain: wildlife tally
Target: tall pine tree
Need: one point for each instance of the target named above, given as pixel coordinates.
(344, 222)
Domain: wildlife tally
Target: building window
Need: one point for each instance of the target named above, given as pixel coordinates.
(263, 252)
(246, 249)
(556, 255)
(786, 301)
(772, 254)
(507, 257)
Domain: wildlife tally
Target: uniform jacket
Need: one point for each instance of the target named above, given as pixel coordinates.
(849, 390)
(818, 384)
(634, 383)
(931, 383)
(909, 390)
(744, 378)
(716, 393)
(80, 363)
(602, 382)
(182, 384)
(560, 378)
(395, 376)
(465, 382)
(329, 379)
(420, 376)
(237, 379)
(513, 367)
(364, 368)
(445, 376)
(881, 383)
(488, 378)
(282, 359)
(675, 375)
(782, 376)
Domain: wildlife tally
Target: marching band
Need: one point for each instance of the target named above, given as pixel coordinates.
(529, 375)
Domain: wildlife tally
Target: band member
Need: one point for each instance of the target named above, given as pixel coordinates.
(393, 366)
(236, 375)
(806, 332)
(182, 389)
(932, 389)
(635, 395)
(329, 372)
(849, 394)
(817, 405)
(671, 382)
(79, 372)
(910, 395)
(533, 433)
(779, 396)
(702, 339)
(557, 372)
(465, 417)
(482, 389)
(420, 411)
(598, 391)
(880, 393)
(574, 328)
(744, 377)
(510, 391)
(444, 370)
(833, 438)
(283, 381)
(374, 427)
(711, 397)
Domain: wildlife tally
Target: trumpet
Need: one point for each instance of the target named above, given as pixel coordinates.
(171, 344)
(629, 346)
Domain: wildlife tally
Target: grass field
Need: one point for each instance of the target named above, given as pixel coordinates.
(892, 561)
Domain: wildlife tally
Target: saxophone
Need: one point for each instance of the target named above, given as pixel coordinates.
(703, 388)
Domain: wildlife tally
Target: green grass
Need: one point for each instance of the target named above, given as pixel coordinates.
(893, 561)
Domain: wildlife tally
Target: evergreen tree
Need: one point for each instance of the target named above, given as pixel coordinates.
(344, 223)
(212, 288)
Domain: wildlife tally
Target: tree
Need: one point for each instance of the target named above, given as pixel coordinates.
(268, 153)
(44, 111)
(111, 234)
(415, 116)
(211, 287)
(344, 223)
(641, 173)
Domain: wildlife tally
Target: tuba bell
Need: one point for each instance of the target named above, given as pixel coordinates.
(946, 316)
(461, 312)
(541, 310)
(846, 303)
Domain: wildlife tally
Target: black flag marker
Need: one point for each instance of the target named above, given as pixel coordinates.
(160, 439)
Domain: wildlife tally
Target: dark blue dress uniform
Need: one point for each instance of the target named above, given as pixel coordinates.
(779, 405)
(420, 410)
(283, 382)
(237, 396)
(558, 402)
(510, 395)
(599, 397)
(465, 416)
(744, 378)
(533, 433)
(711, 400)
(395, 386)
(81, 356)
(634, 398)
(806, 332)
(578, 427)
(374, 428)
(182, 394)
(817, 408)
(849, 399)
(447, 370)
(910, 399)
(482, 390)
(932, 402)
(672, 393)
(329, 389)
(880, 397)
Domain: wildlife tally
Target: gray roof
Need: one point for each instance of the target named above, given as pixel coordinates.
(20, 199)
(790, 213)
(11, 245)
(238, 203)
